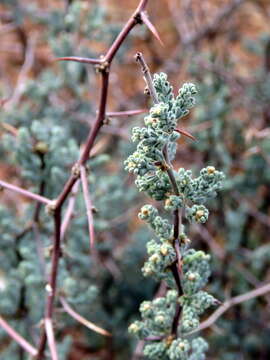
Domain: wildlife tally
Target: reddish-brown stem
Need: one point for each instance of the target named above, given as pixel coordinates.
(135, 19)
(103, 66)
(176, 267)
(91, 138)
(125, 113)
(147, 76)
(51, 286)
(69, 211)
(79, 59)
(176, 319)
(24, 192)
(66, 191)
(121, 37)
(259, 291)
(88, 205)
(82, 320)
(18, 338)
(51, 339)
(100, 117)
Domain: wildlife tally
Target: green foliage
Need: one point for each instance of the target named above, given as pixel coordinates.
(151, 163)
(52, 118)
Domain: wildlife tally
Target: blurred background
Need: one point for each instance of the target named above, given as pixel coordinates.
(223, 46)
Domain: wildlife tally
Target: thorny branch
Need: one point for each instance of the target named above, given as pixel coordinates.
(103, 67)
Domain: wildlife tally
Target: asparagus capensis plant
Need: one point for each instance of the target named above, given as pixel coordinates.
(168, 322)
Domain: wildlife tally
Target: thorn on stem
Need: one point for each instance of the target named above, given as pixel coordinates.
(185, 133)
(80, 60)
(151, 27)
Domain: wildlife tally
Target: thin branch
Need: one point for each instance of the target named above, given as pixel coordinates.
(51, 339)
(147, 76)
(100, 117)
(91, 138)
(138, 350)
(125, 113)
(262, 290)
(82, 320)
(17, 337)
(40, 250)
(25, 193)
(10, 128)
(134, 20)
(176, 268)
(70, 210)
(89, 206)
(80, 60)
(21, 81)
(51, 286)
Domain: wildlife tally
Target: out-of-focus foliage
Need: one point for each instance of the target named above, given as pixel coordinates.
(45, 121)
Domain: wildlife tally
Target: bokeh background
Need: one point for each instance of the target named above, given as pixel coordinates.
(223, 46)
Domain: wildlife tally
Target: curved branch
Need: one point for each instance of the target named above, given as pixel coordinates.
(25, 193)
(17, 337)
(260, 291)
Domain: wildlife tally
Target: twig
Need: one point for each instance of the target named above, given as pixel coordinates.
(138, 350)
(18, 338)
(125, 113)
(262, 290)
(80, 60)
(39, 248)
(20, 86)
(82, 320)
(69, 211)
(10, 128)
(51, 286)
(147, 76)
(89, 206)
(51, 340)
(25, 193)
